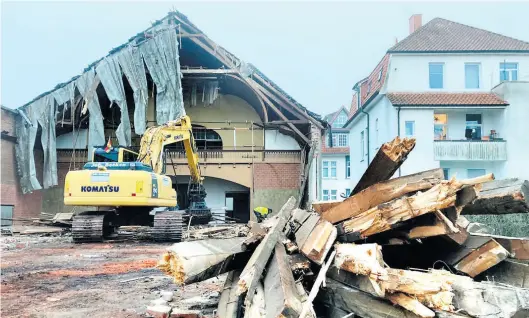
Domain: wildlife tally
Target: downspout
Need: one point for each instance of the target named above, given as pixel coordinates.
(357, 90)
(398, 130)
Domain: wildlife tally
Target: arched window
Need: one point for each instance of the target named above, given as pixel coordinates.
(205, 139)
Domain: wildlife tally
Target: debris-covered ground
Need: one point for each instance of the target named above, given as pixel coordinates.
(52, 277)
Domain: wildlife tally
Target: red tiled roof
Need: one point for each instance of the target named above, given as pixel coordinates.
(440, 35)
(354, 106)
(445, 99)
(372, 84)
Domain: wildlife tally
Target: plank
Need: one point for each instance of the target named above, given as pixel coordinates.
(194, 261)
(411, 304)
(281, 295)
(229, 303)
(482, 258)
(387, 160)
(391, 214)
(319, 242)
(501, 197)
(381, 192)
(305, 229)
(258, 306)
(518, 247)
(254, 268)
(322, 206)
(316, 287)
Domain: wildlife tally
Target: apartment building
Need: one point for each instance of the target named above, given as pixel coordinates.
(335, 169)
(462, 92)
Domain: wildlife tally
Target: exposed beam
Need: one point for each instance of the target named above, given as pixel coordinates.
(208, 71)
(263, 107)
(284, 122)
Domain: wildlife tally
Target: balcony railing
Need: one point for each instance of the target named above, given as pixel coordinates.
(456, 150)
(206, 156)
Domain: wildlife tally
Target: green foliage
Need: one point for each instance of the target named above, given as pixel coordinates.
(516, 225)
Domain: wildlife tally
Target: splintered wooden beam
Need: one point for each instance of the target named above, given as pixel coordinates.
(230, 305)
(349, 299)
(195, 261)
(362, 259)
(476, 255)
(379, 193)
(280, 295)
(322, 206)
(501, 197)
(319, 242)
(258, 306)
(411, 304)
(254, 268)
(388, 159)
(388, 215)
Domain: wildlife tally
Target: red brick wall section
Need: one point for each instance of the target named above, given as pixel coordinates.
(277, 175)
(25, 206)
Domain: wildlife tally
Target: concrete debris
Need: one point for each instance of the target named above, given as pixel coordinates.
(159, 311)
(395, 248)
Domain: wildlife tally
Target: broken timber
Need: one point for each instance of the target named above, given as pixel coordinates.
(388, 159)
(281, 296)
(518, 247)
(501, 197)
(319, 242)
(379, 193)
(230, 305)
(388, 215)
(194, 261)
(254, 268)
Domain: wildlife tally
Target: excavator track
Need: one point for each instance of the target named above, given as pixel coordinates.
(88, 227)
(168, 226)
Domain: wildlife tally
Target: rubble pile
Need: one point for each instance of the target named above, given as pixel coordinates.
(396, 247)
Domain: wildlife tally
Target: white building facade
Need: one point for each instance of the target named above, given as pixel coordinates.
(335, 164)
(461, 92)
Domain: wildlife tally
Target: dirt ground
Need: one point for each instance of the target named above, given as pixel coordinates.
(52, 277)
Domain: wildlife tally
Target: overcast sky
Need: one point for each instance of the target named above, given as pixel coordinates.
(315, 51)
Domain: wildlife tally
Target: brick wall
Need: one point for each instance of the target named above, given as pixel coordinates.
(277, 175)
(28, 205)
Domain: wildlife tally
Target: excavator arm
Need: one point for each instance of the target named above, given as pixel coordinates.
(156, 138)
(151, 153)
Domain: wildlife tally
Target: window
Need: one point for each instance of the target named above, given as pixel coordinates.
(325, 195)
(472, 75)
(410, 128)
(376, 133)
(440, 127)
(339, 140)
(473, 173)
(436, 75)
(508, 72)
(329, 165)
(368, 87)
(473, 126)
(7, 215)
(347, 192)
(379, 75)
(347, 167)
(362, 147)
(333, 194)
(339, 121)
(333, 169)
(446, 173)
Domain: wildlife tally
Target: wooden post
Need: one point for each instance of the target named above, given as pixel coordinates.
(379, 193)
(189, 262)
(254, 268)
(388, 159)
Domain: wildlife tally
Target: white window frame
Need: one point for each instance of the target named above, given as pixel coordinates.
(347, 192)
(479, 75)
(339, 140)
(333, 166)
(442, 73)
(362, 145)
(413, 128)
(325, 165)
(509, 71)
(334, 194)
(339, 121)
(324, 196)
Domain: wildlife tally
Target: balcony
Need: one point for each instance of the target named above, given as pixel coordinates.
(246, 156)
(459, 150)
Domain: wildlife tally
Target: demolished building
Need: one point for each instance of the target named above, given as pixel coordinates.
(256, 143)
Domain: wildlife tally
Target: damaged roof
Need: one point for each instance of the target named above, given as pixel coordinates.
(175, 14)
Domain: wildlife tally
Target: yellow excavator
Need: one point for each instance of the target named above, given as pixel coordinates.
(129, 188)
